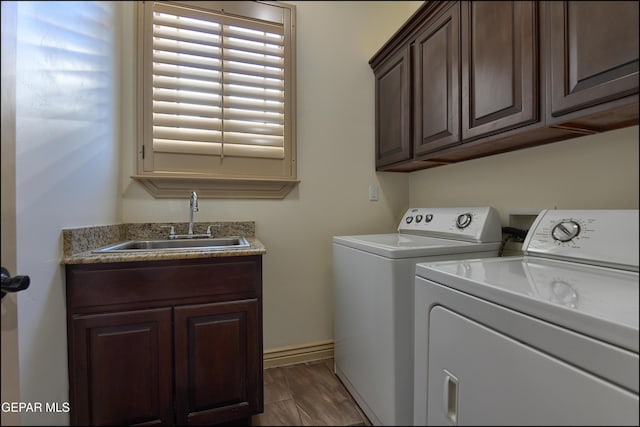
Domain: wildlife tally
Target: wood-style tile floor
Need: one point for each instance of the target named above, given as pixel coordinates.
(307, 394)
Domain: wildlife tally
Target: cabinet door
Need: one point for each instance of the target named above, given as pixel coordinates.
(593, 53)
(436, 84)
(218, 361)
(500, 86)
(393, 110)
(120, 368)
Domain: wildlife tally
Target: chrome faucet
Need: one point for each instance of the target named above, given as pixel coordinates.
(193, 207)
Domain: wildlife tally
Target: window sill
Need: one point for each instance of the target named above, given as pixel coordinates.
(172, 186)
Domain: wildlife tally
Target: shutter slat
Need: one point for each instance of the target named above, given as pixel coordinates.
(239, 150)
(191, 122)
(249, 70)
(166, 17)
(187, 60)
(273, 35)
(185, 48)
(253, 139)
(253, 81)
(254, 116)
(253, 128)
(187, 147)
(187, 72)
(252, 59)
(163, 82)
(180, 134)
(186, 97)
(247, 46)
(198, 37)
(253, 93)
(247, 104)
(185, 109)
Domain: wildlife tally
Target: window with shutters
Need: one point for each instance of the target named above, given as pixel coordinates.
(216, 99)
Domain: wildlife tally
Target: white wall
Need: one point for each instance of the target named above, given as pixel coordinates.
(67, 172)
(592, 172)
(335, 121)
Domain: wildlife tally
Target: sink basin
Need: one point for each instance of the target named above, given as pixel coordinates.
(176, 245)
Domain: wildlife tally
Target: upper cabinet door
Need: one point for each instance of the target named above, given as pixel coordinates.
(436, 103)
(593, 53)
(393, 109)
(500, 65)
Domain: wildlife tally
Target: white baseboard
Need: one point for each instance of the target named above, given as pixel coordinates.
(298, 354)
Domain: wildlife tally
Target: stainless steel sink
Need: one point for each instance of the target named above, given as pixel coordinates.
(214, 243)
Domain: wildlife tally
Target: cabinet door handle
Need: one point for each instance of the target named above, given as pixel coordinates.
(450, 400)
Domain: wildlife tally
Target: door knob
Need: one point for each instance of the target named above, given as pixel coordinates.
(12, 284)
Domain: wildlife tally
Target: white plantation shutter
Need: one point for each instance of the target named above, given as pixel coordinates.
(218, 84)
(216, 99)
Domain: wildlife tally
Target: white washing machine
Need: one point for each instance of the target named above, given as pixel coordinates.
(373, 300)
(548, 338)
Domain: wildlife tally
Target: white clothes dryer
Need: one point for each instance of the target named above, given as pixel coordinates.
(373, 300)
(548, 338)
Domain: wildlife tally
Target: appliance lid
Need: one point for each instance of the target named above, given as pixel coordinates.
(597, 301)
(399, 245)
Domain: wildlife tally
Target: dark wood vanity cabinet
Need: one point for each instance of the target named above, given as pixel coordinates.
(165, 342)
(493, 76)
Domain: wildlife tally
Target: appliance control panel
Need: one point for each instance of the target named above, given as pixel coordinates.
(600, 237)
(475, 224)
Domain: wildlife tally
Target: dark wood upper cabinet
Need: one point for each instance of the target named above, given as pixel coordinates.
(499, 43)
(393, 132)
(436, 105)
(488, 77)
(593, 54)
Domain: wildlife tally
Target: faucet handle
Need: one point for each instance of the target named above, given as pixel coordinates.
(172, 231)
(209, 228)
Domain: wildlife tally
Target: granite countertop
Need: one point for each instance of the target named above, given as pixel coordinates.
(78, 243)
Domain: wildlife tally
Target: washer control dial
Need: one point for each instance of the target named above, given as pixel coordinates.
(565, 231)
(463, 220)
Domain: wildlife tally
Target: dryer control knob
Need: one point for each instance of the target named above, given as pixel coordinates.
(565, 231)
(463, 220)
